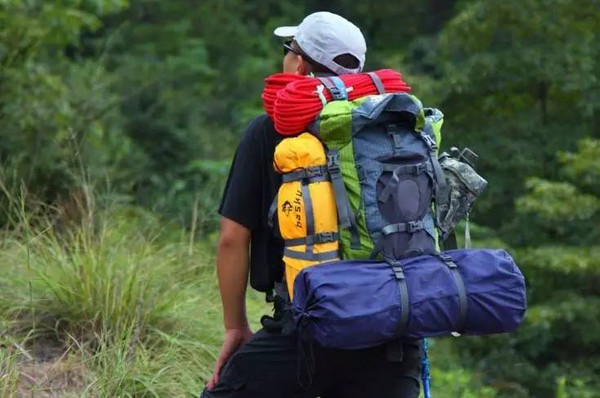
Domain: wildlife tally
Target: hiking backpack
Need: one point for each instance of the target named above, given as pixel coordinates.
(388, 183)
(375, 163)
(363, 202)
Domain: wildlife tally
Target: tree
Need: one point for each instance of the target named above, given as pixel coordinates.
(520, 82)
(48, 102)
(557, 349)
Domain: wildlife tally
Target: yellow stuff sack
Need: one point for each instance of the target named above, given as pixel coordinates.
(306, 208)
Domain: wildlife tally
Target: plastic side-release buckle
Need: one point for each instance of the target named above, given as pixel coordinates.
(397, 268)
(325, 237)
(333, 161)
(336, 87)
(430, 142)
(314, 171)
(414, 226)
(447, 260)
(336, 93)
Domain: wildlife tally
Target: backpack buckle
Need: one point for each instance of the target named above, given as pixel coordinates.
(447, 260)
(333, 161)
(430, 142)
(336, 93)
(336, 87)
(324, 237)
(414, 226)
(314, 171)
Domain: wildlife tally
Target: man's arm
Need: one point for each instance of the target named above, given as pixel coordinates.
(241, 212)
(232, 271)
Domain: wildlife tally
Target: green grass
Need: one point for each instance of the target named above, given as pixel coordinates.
(123, 304)
(9, 374)
(125, 297)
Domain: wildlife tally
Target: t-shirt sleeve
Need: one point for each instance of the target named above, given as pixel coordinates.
(241, 201)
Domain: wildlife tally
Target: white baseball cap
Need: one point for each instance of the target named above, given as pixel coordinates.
(323, 36)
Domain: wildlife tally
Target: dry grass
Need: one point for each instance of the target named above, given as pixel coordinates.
(118, 305)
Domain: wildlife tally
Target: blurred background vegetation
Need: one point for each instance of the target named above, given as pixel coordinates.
(118, 121)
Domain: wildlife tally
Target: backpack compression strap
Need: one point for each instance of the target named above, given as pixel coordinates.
(345, 216)
(321, 237)
(310, 174)
(377, 82)
(440, 186)
(460, 286)
(307, 176)
(409, 227)
(402, 287)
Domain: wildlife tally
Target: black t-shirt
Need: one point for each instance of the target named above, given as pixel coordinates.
(251, 187)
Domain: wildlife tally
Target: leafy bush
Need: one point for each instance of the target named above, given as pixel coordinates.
(555, 351)
(134, 304)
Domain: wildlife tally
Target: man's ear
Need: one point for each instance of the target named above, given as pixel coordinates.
(303, 68)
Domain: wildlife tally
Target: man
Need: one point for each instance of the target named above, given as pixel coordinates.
(274, 362)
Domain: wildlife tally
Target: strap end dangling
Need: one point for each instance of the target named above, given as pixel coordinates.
(467, 233)
(321, 95)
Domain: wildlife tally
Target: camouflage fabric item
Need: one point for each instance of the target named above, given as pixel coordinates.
(464, 186)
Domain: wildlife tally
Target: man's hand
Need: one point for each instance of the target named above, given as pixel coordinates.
(234, 339)
(232, 271)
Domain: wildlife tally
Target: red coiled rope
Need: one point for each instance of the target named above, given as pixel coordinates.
(273, 84)
(293, 101)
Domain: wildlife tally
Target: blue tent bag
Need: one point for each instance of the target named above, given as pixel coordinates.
(358, 304)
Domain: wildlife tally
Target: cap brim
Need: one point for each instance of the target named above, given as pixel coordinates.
(286, 31)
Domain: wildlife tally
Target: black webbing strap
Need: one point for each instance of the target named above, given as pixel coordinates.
(325, 256)
(413, 169)
(389, 187)
(321, 237)
(345, 215)
(377, 249)
(311, 174)
(280, 289)
(309, 214)
(341, 197)
(392, 130)
(462, 292)
(440, 186)
(403, 288)
(410, 227)
(450, 243)
(377, 82)
(338, 93)
(432, 147)
(272, 211)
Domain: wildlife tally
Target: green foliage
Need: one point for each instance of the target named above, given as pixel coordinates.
(555, 352)
(144, 101)
(122, 292)
(50, 106)
(563, 211)
(9, 374)
(450, 378)
(511, 70)
(558, 339)
(583, 167)
(456, 383)
(555, 268)
(557, 202)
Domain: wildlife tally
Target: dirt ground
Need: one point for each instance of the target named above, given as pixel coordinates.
(48, 370)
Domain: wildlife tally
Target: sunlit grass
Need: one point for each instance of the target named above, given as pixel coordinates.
(122, 293)
(9, 374)
(129, 306)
